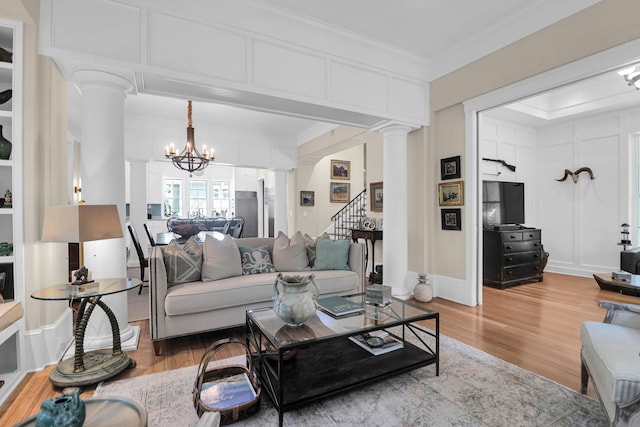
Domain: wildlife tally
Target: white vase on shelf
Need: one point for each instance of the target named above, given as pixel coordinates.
(423, 291)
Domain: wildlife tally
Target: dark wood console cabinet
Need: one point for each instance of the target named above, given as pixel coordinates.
(512, 257)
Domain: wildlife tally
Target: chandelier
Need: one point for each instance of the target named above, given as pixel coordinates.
(631, 75)
(189, 159)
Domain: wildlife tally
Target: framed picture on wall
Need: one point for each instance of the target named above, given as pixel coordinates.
(450, 194)
(451, 219)
(450, 168)
(307, 198)
(376, 196)
(340, 169)
(339, 192)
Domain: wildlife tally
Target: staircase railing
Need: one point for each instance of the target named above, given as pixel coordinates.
(349, 216)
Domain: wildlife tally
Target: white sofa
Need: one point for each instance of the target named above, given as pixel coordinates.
(611, 358)
(201, 306)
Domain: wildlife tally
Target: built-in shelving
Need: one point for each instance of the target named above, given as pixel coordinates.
(12, 368)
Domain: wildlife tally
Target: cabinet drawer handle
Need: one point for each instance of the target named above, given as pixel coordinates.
(513, 236)
(510, 259)
(535, 255)
(509, 247)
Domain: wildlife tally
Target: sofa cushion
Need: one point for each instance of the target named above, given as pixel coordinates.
(331, 255)
(256, 260)
(183, 262)
(197, 297)
(220, 258)
(310, 245)
(612, 354)
(290, 254)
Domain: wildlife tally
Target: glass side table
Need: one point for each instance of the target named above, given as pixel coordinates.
(96, 365)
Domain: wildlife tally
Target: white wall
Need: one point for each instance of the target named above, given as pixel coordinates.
(515, 144)
(580, 221)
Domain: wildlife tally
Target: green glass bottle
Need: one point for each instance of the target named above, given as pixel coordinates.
(5, 146)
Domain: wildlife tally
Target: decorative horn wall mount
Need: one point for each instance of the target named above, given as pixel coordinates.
(575, 175)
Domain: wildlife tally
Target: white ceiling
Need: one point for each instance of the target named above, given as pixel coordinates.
(605, 92)
(447, 34)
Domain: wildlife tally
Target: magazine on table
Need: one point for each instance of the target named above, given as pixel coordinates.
(377, 342)
(227, 392)
(338, 306)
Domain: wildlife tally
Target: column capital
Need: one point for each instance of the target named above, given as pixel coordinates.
(102, 78)
(395, 128)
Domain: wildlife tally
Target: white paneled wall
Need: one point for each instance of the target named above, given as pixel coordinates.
(580, 221)
(515, 144)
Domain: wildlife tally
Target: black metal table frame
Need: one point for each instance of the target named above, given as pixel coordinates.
(257, 340)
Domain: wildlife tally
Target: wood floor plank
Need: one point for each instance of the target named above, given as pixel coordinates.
(535, 326)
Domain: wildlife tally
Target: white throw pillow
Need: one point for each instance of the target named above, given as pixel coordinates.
(290, 254)
(220, 258)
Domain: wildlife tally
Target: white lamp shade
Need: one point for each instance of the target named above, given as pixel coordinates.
(81, 223)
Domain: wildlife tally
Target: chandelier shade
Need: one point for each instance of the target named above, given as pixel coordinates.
(189, 159)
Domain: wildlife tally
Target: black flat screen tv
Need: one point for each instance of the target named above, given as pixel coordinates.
(502, 203)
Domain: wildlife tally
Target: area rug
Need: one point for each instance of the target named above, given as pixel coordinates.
(473, 389)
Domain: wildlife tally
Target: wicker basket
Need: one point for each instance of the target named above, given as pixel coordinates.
(205, 374)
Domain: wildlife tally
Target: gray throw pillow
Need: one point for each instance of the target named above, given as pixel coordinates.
(290, 254)
(331, 255)
(183, 262)
(256, 260)
(220, 258)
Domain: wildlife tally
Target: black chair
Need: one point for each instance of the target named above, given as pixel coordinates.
(151, 241)
(237, 231)
(144, 262)
(225, 229)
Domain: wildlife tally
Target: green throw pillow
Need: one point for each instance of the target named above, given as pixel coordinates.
(183, 262)
(256, 260)
(331, 255)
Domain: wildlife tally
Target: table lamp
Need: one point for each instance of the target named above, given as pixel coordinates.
(79, 224)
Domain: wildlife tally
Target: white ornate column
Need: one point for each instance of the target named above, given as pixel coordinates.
(103, 182)
(395, 242)
(137, 207)
(280, 222)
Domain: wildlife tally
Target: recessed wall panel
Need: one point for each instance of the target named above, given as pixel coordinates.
(101, 28)
(359, 87)
(599, 201)
(408, 99)
(172, 43)
(288, 70)
(557, 212)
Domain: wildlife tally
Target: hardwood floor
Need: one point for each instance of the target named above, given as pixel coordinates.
(534, 326)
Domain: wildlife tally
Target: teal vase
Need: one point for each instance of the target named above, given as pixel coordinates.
(5, 146)
(65, 410)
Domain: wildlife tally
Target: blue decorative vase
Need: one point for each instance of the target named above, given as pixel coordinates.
(67, 411)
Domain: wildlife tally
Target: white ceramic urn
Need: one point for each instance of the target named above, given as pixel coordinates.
(423, 291)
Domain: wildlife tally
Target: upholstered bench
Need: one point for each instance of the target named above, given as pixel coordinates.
(611, 358)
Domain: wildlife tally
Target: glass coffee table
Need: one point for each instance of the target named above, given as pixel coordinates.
(301, 364)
